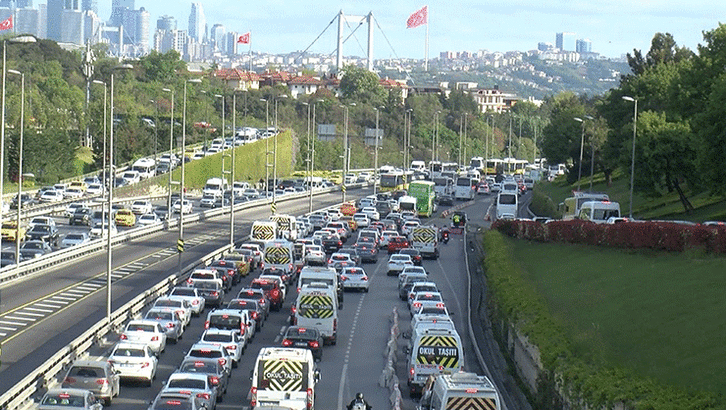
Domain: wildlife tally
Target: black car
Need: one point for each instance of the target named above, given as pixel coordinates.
(45, 233)
(305, 338)
(162, 211)
(331, 244)
(383, 208)
(445, 200)
(7, 258)
(25, 201)
(414, 253)
(81, 216)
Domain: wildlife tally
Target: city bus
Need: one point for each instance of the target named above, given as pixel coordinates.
(493, 165)
(424, 192)
(515, 166)
(435, 168)
(392, 182)
(477, 163)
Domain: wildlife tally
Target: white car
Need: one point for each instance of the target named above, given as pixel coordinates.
(74, 239)
(385, 236)
(340, 257)
(192, 295)
(315, 255)
(99, 230)
(148, 219)
(146, 332)
(371, 213)
(185, 207)
(181, 306)
(141, 207)
(230, 339)
(95, 189)
(362, 220)
(397, 262)
(134, 361)
(41, 220)
(407, 227)
(52, 195)
(71, 208)
(355, 278)
(72, 193)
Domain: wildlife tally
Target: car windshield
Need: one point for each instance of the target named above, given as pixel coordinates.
(138, 327)
(187, 384)
(128, 352)
(63, 399)
(74, 237)
(32, 245)
(218, 337)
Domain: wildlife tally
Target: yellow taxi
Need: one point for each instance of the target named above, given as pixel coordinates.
(125, 217)
(353, 224)
(10, 231)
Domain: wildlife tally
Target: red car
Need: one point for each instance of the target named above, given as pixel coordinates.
(395, 243)
(272, 290)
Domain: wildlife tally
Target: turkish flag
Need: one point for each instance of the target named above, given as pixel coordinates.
(243, 38)
(418, 18)
(6, 24)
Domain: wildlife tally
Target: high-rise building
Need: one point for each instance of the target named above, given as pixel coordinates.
(543, 46)
(565, 41)
(166, 23)
(136, 30)
(16, 4)
(92, 27)
(197, 23)
(231, 41)
(584, 45)
(117, 11)
(55, 10)
(27, 20)
(43, 21)
(72, 26)
(166, 40)
(216, 34)
(90, 5)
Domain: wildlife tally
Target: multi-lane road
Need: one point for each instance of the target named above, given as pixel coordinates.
(60, 305)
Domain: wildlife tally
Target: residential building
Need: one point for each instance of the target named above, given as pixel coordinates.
(565, 41)
(166, 23)
(304, 85)
(239, 79)
(494, 100)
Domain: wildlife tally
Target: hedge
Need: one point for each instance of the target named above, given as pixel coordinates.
(582, 385)
(660, 236)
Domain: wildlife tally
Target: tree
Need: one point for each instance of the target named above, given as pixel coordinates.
(162, 67)
(561, 136)
(361, 85)
(663, 50)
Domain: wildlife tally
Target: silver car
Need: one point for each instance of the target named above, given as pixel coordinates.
(169, 320)
(98, 376)
(77, 399)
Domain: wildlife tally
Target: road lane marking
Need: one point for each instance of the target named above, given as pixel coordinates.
(344, 373)
(22, 319)
(23, 312)
(39, 310)
(48, 305)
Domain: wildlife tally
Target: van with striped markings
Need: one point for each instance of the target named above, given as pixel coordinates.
(284, 377)
(317, 306)
(459, 391)
(279, 254)
(433, 351)
(263, 231)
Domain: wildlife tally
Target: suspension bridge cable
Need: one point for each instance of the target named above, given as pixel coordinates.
(316, 39)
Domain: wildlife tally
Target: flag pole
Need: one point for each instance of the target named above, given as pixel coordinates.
(249, 53)
(426, 55)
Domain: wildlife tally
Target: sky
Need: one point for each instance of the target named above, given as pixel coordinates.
(615, 27)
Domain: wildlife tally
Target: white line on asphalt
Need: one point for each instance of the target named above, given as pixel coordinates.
(12, 329)
(344, 374)
(22, 319)
(23, 312)
(5, 322)
(39, 310)
(47, 305)
(3, 334)
(61, 299)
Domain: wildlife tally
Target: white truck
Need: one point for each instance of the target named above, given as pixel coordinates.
(460, 390)
(407, 203)
(284, 377)
(215, 186)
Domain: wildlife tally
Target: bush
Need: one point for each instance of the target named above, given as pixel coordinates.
(659, 236)
(542, 204)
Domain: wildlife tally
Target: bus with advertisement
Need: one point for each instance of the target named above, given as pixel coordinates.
(425, 194)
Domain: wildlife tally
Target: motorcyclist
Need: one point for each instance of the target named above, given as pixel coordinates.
(359, 399)
(445, 234)
(456, 219)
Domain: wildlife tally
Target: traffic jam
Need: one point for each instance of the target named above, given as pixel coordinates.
(316, 258)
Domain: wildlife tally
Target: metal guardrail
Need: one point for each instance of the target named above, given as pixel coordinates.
(20, 396)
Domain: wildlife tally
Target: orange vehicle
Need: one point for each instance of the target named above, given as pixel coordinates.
(348, 209)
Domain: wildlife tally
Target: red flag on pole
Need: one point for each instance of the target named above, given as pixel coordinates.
(243, 38)
(418, 18)
(6, 24)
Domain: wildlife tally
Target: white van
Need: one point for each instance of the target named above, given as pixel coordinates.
(599, 211)
(215, 186)
(284, 377)
(286, 226)
(263, 231)
(407, 203)
(433, 351)
(317, 306)
(507, 205)
(465, 188)
(478, 392)
(418, 165)
(315, 274)
(279, 255)
(146, 167)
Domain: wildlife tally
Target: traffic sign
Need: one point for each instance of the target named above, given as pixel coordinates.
(273, 207)
(180, 245)
(342, 188)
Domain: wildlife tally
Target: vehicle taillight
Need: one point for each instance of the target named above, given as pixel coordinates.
(70, 380)
(287, 342)
(145, 365)
(298, 290)
(330, 261)
(309, 403)
(222, 361)
(343, 277)
(101, 382)
(416, 304)
(340, 243)
(242, 329)
(189, 281)
(195, 302)
(275, 293)
(411, 371)
(232, 347)
(123, 337)
(262, 266)
(289, 267)
(215, 293)
(155, 339)
(214, 380)
(170, 325)
(204, 396)
(255, 315)
(364, 278)
(206, 324)
(439, 305)
(180, 312)
(314, 344)
(253, 396)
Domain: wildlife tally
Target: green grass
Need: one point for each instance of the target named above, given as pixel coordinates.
(659, 314)
(667, 206)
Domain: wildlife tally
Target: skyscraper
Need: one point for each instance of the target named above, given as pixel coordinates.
(55, 11)
(90, 5)
(117, 9)
(584, 45)
(136, 30)
(27, 21)
(216, 34)
(166, 23)
(197, 23)
(565, 41)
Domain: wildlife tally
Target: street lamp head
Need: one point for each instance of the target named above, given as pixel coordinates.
(195, 80)
(263, 100)
(217, 96)
(589, 117)
(99, 82)
(126, 66)
(167, 90)
(626, 98)
(16, 72)
(578, 119)
(23, 39)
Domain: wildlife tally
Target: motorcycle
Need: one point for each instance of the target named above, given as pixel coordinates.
(445, 237)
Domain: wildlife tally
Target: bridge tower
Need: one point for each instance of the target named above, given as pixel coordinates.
(342, 18)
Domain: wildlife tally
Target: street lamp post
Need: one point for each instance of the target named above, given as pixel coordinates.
(171, 151)
(632, 155)
(267, 145)
(103, 172)
(156, 131)
(223, 129)
(312, 155)
(375, 160)
(181, 178)
(20, 163)
(345, 149)
(19, 39)
(582, 144)
(274, 156)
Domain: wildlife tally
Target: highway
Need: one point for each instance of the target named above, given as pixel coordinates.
(353, 365)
